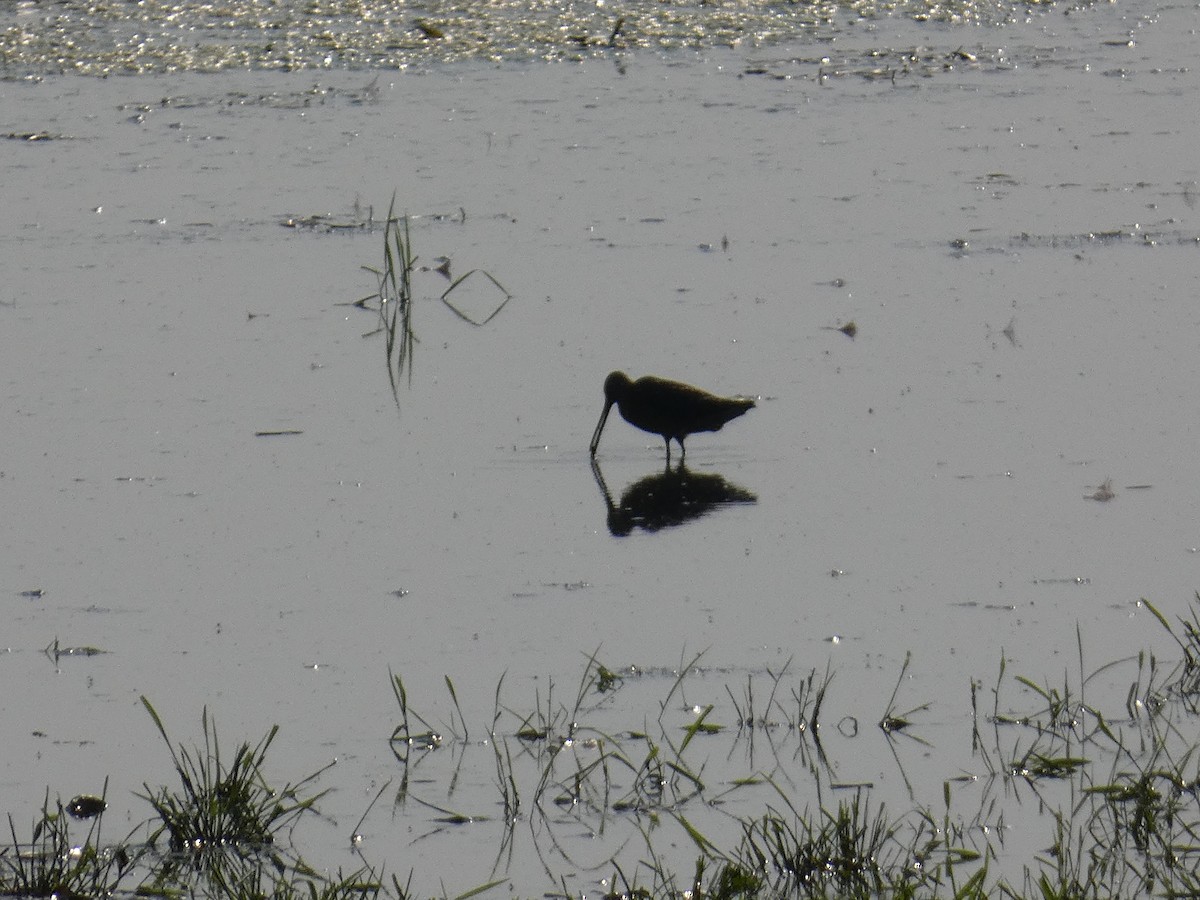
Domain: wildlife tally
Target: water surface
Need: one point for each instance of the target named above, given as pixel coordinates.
(1006, 212)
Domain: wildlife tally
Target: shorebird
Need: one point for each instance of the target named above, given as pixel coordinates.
(668, 408)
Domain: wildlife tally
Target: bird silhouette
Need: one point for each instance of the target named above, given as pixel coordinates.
(671, 409)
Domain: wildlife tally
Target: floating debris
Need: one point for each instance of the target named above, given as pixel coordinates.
(1010, 331)
(430, 31)
(85, 806)
(56, 652)
(442, 268)
(323, 222)
(850, 329)
(1104, 493)
(32, 136)
(429, 740)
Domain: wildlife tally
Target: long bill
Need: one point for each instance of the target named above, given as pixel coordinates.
(600, 426)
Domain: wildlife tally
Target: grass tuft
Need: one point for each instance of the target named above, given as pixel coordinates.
(219, 804)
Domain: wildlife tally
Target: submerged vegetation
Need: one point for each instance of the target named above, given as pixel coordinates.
(1115, 778)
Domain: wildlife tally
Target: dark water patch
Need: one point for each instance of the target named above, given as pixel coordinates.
(305, 98)
(1135, 236)
(890, 64)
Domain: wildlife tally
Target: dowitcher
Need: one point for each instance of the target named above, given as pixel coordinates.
(668, 408)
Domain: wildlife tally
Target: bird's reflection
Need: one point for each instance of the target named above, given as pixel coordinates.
(671, 497)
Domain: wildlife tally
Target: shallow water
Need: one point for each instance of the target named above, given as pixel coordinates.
(102, 37)
(1014, 234)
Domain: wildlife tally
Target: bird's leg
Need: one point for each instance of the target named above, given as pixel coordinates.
(668, 440)
(682, 451)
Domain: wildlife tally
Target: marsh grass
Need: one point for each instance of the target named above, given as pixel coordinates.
(1118, 786)
(226, 838)
(223, 803)
(893, 720)
(840, 852)
(1187, 681)
(394, 296)
(53, 864)
(405, 740)
(1113, 776)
